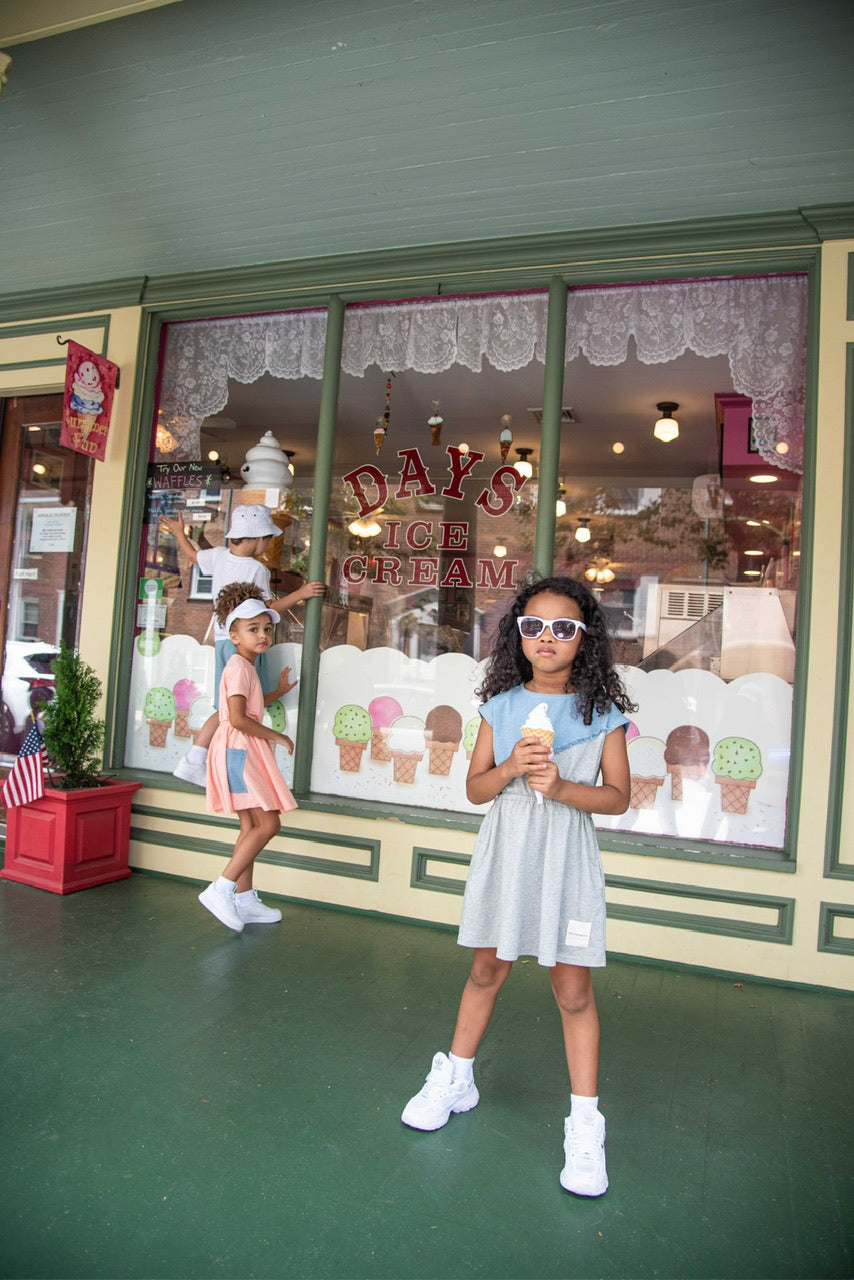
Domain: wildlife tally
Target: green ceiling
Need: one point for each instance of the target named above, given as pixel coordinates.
(223, 133)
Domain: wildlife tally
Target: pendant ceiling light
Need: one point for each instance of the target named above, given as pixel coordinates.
(666, 428)
(523, 466)
(582, 533)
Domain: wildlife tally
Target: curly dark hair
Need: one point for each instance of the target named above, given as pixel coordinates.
(594, 680)
(233, 594)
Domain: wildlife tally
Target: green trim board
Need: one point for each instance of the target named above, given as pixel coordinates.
(780, 931)
(421, 878)
(834, 867)
(829, 913)
(280, 858)
(63, 327)
(850, 313)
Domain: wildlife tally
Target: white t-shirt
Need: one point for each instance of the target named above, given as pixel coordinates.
(223, 567)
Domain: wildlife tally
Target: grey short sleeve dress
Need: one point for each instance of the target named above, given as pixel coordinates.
(536, 886)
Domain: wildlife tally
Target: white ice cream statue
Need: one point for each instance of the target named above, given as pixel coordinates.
(266, 465)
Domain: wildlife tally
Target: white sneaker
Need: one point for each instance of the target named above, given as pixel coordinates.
(222, 906)
(189, 772)
(584, 1173)
(251, 909)
(442, 1094)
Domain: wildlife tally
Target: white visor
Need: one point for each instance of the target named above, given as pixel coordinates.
(249, 609)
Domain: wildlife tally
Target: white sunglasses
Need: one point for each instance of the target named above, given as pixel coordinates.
(531, 627)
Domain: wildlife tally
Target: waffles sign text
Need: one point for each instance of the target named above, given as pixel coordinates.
(371, 490)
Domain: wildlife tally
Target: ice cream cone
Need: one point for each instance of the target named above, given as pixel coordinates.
(182, 726)
(678, 772)
(379, 436)
(379, 746)
(85, 423)
(350, 754)
(157, 730)
(505, 449)
(735, 793)
(436, 432)
(441, 756)
(546, 736)
(644, 792)
(405, 764)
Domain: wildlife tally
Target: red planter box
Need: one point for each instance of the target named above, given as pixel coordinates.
(70, 840)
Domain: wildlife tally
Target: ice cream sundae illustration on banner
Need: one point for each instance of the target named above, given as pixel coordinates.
(539, 726)
(90, 382)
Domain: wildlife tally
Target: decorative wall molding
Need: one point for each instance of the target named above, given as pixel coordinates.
(830, 913)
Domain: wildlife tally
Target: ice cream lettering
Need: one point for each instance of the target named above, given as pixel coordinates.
(352, 728)
(539, 726)
(443, 734)
(737, 765)
(406, 743)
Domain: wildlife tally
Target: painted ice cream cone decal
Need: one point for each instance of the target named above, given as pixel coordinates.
(539, 726)
(470, 735)
(352, 728)
(406, 744)
(443, 735)
(648, 771)
(686, 754)
(383, 712)
(159, 711)
(505, 438)
(737, 765)
(379, 436)
(185, 693)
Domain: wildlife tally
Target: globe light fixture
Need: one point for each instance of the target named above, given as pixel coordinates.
(666, 428)
(582, 533)
(523, 466)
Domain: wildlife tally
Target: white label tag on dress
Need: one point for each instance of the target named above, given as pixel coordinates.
(577, 934)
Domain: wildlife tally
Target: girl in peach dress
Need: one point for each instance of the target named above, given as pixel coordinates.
(243, 777)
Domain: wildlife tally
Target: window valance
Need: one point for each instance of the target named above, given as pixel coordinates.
(759, 324)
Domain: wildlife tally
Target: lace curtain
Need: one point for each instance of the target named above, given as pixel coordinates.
(759, 324)
(201, 356)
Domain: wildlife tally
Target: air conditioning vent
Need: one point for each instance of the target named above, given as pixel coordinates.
(566, 414)
(691, 605)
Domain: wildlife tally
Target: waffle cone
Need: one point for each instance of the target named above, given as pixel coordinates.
(350, 754)
(546, 736)
(735, 794)
(644, 792)
(405, 764)
(678, 772)
(182, 727)
(441, 756)
(505, 449)
(157, 731)
(379, 746)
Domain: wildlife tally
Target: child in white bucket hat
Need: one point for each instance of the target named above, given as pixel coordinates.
(247, 537)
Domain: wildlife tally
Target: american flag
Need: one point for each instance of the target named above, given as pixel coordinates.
(25, 782)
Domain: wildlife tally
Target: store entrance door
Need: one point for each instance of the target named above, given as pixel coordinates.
(45, 492)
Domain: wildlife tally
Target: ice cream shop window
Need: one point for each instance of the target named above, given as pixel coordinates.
(678, 500)
(430, 532)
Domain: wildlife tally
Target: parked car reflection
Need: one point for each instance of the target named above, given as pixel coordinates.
(27, 686)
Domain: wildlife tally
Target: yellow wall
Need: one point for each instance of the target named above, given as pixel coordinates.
(173, 834)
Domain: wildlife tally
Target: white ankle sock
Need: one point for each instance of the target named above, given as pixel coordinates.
(463, 1067)
(197, 755)
(579, 1103)
(225, 886)
(247, 893)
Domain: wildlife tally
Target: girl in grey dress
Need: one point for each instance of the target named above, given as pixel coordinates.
(535, 886)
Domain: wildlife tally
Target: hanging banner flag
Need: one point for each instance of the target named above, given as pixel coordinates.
(90, 382)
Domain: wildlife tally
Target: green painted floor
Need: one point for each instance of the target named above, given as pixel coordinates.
(178, 1101)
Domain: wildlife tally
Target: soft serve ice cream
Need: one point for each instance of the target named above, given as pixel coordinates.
(539, 726)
